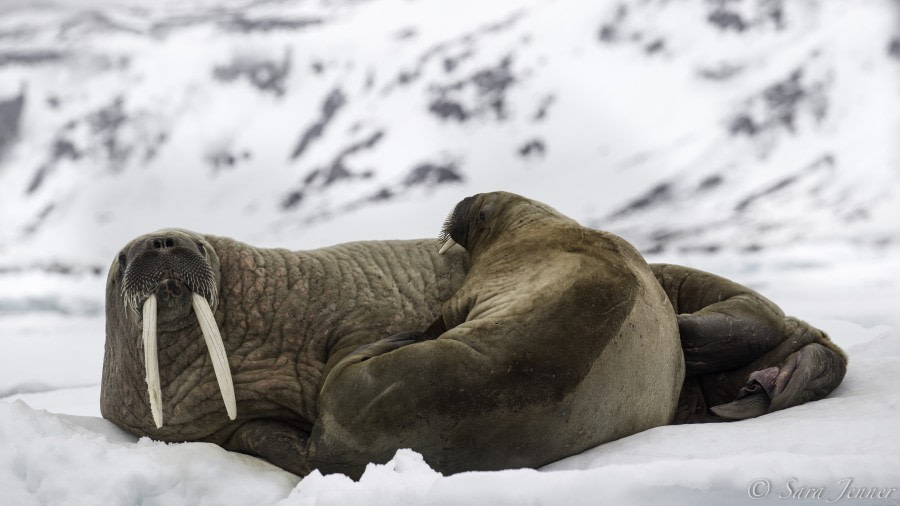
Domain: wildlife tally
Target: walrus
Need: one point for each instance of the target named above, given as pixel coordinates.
(559, 339)
(286, 319)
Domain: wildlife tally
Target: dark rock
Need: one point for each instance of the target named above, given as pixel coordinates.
(109, 118)
(292, 199)
(430, 174)
(610, 31)
(779, 105)
(30, 57)
(782, 98)
(743, 124)
(544, 107)
(826, 161)
(64, 148)
(531, 148)
(105, 124)
(655, 47)
(490, 87)
(720, 72)
(241, 23)
(265, 75)
(382, 195)
(37, 180)
(39, 220)
(448, 109)
(337, 170)
(726, 20)
(10, 119)
(894, 48)
(607, 33)
(701, 248)
(406, 33)
(658, 194)
(710, 182)
(332, 104)
(221, 160)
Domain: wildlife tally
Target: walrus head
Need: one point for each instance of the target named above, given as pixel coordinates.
(477, 220)
(169, 280)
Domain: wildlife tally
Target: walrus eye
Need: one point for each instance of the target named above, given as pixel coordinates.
(201, 248)
(123, 262)
(481, 216)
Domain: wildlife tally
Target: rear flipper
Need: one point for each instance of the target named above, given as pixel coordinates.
(743, 357)
(809, 374)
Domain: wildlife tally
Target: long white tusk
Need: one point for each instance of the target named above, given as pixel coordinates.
(447, 245)
(151, 361)
(216, 351)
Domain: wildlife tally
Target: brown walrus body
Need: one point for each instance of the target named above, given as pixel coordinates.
(559, 339)
(292, 324)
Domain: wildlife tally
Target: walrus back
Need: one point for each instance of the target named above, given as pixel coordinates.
(634, 383)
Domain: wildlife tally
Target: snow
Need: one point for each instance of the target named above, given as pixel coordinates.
(805, 210)
(48, 458)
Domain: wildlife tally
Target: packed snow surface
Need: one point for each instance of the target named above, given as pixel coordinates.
(844, 445)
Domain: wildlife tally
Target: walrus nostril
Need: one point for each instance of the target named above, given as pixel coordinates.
(163, 243)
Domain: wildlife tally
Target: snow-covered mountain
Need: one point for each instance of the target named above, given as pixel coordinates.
(700, 126)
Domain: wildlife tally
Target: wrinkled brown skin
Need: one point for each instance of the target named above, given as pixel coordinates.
(288, 317)
(559, 339)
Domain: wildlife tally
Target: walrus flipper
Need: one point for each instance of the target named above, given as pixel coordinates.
(743, 357)
(384, 345)
(808, 374)
(281, 444)
(723, 324)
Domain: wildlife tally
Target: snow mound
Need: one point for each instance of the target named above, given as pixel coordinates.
(62, 459)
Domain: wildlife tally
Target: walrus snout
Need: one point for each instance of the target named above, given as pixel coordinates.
(170, 269)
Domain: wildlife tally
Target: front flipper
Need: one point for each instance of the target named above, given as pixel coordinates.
(281, 444)
(806, 375)
(382, 346)
(394, 342)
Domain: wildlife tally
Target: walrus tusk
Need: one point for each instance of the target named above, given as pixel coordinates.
(151, 361)
(216, 351)
(447, 245)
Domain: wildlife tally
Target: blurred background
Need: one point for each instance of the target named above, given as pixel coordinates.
(753, 138)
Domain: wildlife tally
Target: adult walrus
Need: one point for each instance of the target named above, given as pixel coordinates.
(287, 318)
(559, 339)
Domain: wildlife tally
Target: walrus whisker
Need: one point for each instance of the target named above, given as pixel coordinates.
(151, 361)
(216, 351)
